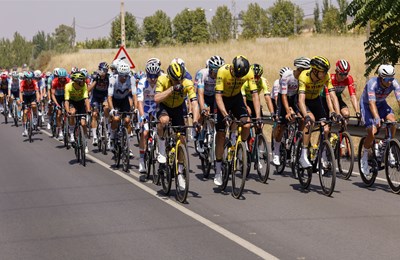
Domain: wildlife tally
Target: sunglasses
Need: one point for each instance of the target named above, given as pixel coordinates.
(387, 79)
(343, 74)
(152, 76)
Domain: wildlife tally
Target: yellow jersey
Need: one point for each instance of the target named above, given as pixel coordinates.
(229, 86)
(262, 85)
(71, 93)
(176, 98)
(312, 89)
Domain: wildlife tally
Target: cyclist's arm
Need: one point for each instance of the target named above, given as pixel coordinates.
(140, 107)
(200, 95)
(195, 110)
(373, 109)
(220, 104)
(256, 102)
(87, 103)
(161, 96)
(335, 101)
(268, 101)
(302, 104)
(355, 104)
(92, 85)
(329, 104)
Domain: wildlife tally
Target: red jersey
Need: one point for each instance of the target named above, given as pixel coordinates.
(340, 86)
(59, 86)
(28, 88)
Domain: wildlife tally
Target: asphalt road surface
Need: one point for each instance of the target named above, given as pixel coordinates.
(51, 207)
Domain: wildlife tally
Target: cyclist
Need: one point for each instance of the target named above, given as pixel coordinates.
(287, 101)
(275, 88)
(4, 82)
(37, 74)
(99, 89)
(205, 84)
(29, 94)
(228, 96)
(76, 102)
(311, 82)
(340, 80)
(374, 107)
(74, 70)
(121, 87)
(146, 105)
(13, 91)
(57, 96)
(170, 93)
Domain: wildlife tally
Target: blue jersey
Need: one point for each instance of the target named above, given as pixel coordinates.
(373, 91)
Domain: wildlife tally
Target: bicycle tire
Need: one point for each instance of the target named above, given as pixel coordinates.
(393, 178)
(205, 163)
(100, 140)
(239, 170)
(76, 144)
(262, 158)
(156, 173)
(348, 155)
(166, 178)
(225, 168)
(181, 195)
(327, 173)
(304, 175)
(66, 134)
(368, 180)
(15, 114)
(30, 127)
(82, 145)
(104, 136)
(125, 150)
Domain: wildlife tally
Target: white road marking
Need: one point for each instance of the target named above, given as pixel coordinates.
(219, 229)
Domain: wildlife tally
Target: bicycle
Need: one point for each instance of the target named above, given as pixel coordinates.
(234, 161)
(14, 110)
(207, 137)
(102, 132)
(386, 151)
(5, 107)
(316, 154)
(175, 150)
(121, 144)
(150, 155)
(258, 153)
(64, 123)
(29, 121)
(80, 139)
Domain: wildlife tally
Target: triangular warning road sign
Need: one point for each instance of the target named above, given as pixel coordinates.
(123, 55)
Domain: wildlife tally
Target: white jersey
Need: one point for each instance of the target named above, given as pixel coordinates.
(145, 94)
(204, 81)
(275, 89)
(289, 85)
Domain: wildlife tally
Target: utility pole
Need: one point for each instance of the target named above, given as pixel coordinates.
(122, 24)
(74, 35)
(294, 20)
(234, 19)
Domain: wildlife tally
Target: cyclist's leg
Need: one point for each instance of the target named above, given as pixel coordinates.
(239, 111)
(95, 117)
(163, 118)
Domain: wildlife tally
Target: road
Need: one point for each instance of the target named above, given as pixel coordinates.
(53, 208)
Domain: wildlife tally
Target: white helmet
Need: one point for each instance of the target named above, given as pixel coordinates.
(114, 64)
(37, 74)
(215, 62)
(153, 68)
(179, 61)
(386, 71)
(283, 70)
(302, 62)
(84, 71)
(55, 71)
(123, 69)
(154, 60)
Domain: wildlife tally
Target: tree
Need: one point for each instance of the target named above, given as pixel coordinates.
(132, 32)
(39, 42)
(317, 21)
(343, 16)
(191, 26)
(251, 21)
(21, 50)
(331, 20)
(282, 15)
(157, 29)
(101, 43)
(383, 44)
(221, 24)
(64, 38)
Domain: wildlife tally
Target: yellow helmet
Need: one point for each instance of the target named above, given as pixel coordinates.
(176, 71)
(320, 63)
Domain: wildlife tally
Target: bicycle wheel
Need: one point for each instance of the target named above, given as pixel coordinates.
(66, 134)
(100, 140)
(181, 194)
(262, 158)
(82, 145)
(166, 177)
(154, 153)
(125, 150)
(392, 165)
(76, 144)
(327, 168)
(344, 152)
(304, 175)
(239, 170)
(104, 137)
(15, 113)
(225, 167)
(29, 127)
(367, 178)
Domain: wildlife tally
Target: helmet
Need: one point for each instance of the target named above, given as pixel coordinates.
(283, 70)
(154, 60)
(55, 72)
(215, 62)
(258, 70)
(123, 69)
(62, 73)
(103, 66)
(28, 74)
(176, 71)
(207, 61)
(302, 62)
(78, 76)
(179, 61)
(74, 69)
(21, 75)
(241, 66)
(320, 63)
(153, 68)
(386, 71)
(342, 66)
(84, 71)
(15, 74)
(4, 75)
(37, 74)
(48, 74)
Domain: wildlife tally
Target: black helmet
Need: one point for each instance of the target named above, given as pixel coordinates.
(241, 66)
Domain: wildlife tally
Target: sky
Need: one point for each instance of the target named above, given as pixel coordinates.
(93, 17)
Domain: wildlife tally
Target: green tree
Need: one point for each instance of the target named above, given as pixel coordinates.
(101, 43)
(64, 38)
(282, 15)
(331, 20)
(132, 31)
(317, 21)
(6, 60)
(157, 29)
(343, 16)
(40, 44)
(251, 21)
(221, 24)
(383, 44)
(191, 26)
(21, 50)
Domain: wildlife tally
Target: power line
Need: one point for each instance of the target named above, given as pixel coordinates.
(96, 27)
